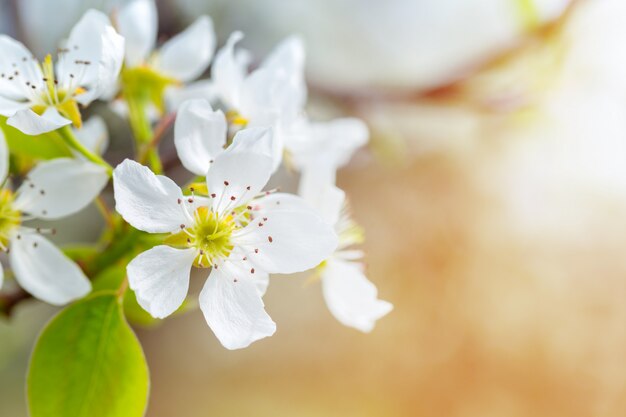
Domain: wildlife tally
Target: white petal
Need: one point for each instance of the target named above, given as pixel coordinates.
(233, 308)
(176, 96)
(60, 187)
(350, 297)
(280, 201)
(44, 271)
(262, 281)
(276, 90)
(4, 158)
(314, 178)
(254, 139)
(228, 72)
(148, 202)
(286, 63)
(31, 123)
(18, 67)
(8, 107)
(287, 55)
(286, 241)
(328, 200)
(199, 135)
(137, 22)
(187, 55)
(94, 40)
(109, 66)
(83, 44)
(160, 278)
(1, 276)
(331, 143)
(236, 177)
(94, 135)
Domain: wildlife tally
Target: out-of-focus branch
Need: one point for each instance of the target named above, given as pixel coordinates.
(160, 130)
(9, 301)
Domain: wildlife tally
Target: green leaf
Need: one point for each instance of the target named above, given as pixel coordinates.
(46, 146)
(111, 278)
(88, 363)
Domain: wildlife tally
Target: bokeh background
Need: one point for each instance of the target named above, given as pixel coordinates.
(493, 195)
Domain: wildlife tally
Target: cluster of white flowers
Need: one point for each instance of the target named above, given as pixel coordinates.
(233, 131)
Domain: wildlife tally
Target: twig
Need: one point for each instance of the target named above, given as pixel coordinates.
(9, 301)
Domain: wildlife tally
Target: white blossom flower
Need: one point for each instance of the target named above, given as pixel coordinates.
(52, 190)
(350, 296)
(230, 230)
(273, 95)
(181, 59)
(39, 98)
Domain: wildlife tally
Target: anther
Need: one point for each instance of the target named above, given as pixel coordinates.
(248, 188)
(226, 183)
(42, 192)
(252, 271)
(256, 251)
(260, 224)
(179, 201)
(190, 200)
(213, 195)
(270, 239)
(34, 244)
(182, 226)
(232, 198)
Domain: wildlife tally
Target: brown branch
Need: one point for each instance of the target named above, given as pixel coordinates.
(9, 301)
(159, 132)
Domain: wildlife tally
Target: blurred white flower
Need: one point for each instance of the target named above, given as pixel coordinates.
(230, 229)
(52, 190)
(37, 98)
(273, 95)
(349, 295)
(183, 58)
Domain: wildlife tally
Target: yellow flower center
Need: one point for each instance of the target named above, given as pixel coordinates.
(61, 99)
(9, 217)
(210, 235)
(236, 119)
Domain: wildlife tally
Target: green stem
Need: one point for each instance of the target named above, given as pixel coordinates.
(70, 139)
(142, 131)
